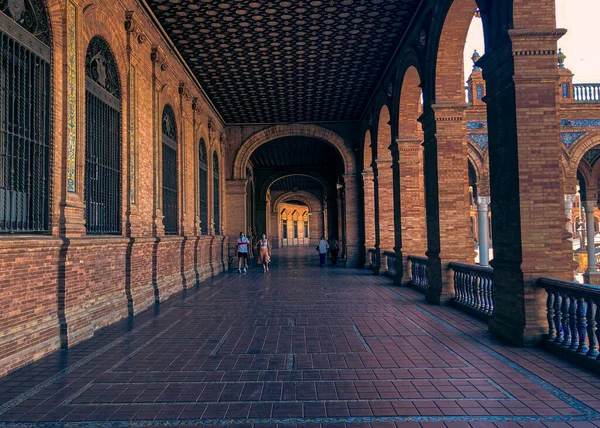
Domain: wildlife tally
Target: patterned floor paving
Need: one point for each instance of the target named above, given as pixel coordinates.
(299, 345)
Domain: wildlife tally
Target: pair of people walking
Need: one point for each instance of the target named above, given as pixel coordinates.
(264, 252)
(332, 246)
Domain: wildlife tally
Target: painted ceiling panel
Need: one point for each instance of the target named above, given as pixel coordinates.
(296, 183)
(286, 61)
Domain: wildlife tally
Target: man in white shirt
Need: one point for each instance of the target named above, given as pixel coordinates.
(242, 252)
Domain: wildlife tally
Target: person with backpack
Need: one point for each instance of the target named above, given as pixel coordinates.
(334, 249)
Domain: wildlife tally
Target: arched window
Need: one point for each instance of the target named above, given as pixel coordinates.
(216, 194)
(295, 224)
(102, 193)
(203, 175)
(170, 209)
(305, 220)
(24, 117)
(284, 224)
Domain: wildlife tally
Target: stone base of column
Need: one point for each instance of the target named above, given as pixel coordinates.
(592, 277)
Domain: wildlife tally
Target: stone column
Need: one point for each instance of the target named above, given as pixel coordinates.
(569, 199)
(525, 173)
(482, 224)
(352, 210)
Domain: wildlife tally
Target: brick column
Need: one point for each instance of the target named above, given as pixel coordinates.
(369, 209)
(351, 211)
(399, 266)
(412, 196)
(261, 217)
(385, 197)
(448, 208)
(236, 206)
(526, 186)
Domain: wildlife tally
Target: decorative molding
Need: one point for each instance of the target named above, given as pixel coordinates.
(568, 138)
(481, 140)
(132, 134)
(71, 96)
(476, 125)
(580, 123)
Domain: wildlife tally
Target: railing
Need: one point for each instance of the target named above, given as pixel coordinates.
(390, 261)
(418, 270)
(473, 287)
(573, 319)
(586, 92)
(372, 258)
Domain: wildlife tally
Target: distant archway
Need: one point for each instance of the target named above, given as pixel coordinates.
(261, 137)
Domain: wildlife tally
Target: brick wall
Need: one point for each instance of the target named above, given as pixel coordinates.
(59, 289)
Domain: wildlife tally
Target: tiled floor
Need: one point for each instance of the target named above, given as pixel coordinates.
(299, 345)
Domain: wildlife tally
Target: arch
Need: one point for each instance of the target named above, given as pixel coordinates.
(278, 131)
(306, 198)
(103, 140)
(409, 104)
(283, 174)
(449, 73)
(384, 134)
(579, 149)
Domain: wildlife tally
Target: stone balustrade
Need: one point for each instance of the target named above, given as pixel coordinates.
(473, 287)
(389, 257)
(371, 258)
(573, 318)
(586, 93)
(418, 270)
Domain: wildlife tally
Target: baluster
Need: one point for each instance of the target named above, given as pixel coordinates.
(573, 324)
(550, 310)
(558, 318)
(490, 293)
(566, 320)
(470, 290)
(478, 281)
(582, 323)
(593, 318)
(485, 304)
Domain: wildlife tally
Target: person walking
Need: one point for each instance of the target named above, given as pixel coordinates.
(334, 249)
(264, 252)
(242, 252)
(322, 248)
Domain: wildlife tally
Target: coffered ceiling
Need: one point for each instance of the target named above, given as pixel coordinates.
(286, 61)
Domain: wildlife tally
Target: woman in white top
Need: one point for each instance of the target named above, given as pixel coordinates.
(264, 250)
(322, 248)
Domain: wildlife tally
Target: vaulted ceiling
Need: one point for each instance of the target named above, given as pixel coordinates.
(296, 183)
(286, 61)
(296, 151)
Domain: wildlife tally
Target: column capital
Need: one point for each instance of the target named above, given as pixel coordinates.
(590, 205)
(484, 200)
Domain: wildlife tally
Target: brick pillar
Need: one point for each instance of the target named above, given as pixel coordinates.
(369, 209)
(236, 206)
(261, 217)
(385, 200)
(412, 196)
(397, 203)
(448, 207)
(526, 186)
(352, 236)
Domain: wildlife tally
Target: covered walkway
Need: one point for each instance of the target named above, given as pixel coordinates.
(299, 344)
